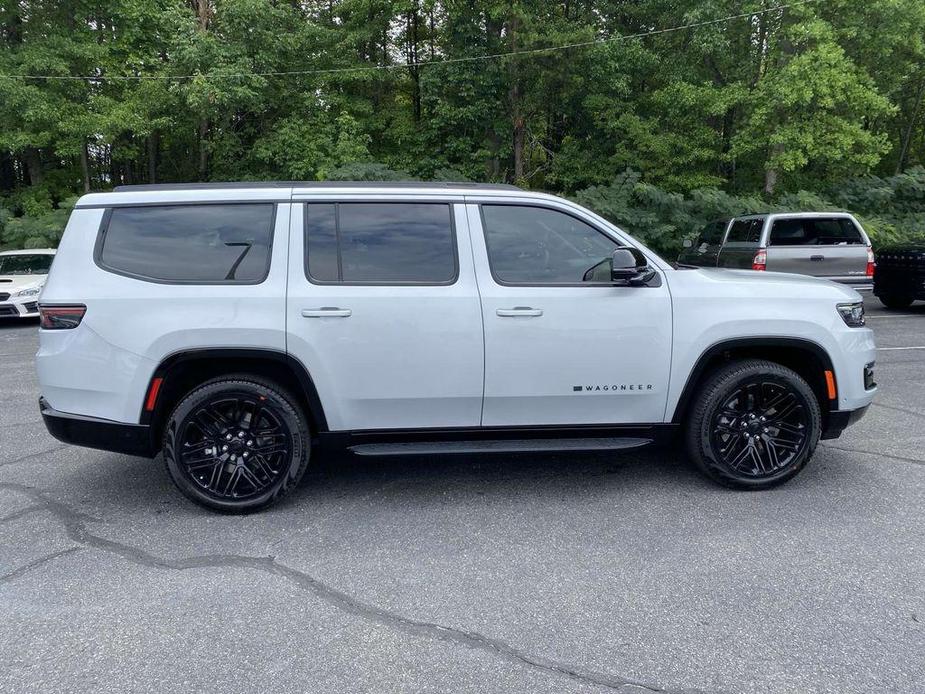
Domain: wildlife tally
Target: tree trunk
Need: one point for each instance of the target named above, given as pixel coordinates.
(153, 146)
(203, 148)
(515, 95)
(770, 172)
(33, 165)
(85, 166)
(910, 129)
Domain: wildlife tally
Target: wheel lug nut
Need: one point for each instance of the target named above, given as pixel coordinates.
(224, 448)
(245, 454)
(240, 434)
(250, 443)
(228, 437)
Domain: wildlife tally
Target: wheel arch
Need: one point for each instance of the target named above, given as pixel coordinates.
(809, 359)
(182, 371)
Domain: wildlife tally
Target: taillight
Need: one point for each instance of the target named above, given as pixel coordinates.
(871, 262)
(761, 260)
(61, 317)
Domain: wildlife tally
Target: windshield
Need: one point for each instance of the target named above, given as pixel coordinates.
(26, 264)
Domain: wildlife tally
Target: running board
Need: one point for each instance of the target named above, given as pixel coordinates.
(500, 446)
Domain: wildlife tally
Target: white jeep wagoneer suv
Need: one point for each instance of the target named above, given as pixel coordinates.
(240, 328)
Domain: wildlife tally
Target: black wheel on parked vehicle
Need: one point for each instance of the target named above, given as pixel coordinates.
(236, 444)
(754, 425)
(896, 301)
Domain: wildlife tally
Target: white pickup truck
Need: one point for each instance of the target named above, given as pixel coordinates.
(242, 328)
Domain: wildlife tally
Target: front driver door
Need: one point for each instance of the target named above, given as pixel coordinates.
(560, 350)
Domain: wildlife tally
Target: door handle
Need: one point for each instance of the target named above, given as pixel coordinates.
(817, 257)
(326, 312)
(519, 311)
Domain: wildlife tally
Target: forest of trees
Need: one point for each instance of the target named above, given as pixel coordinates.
(805, 104)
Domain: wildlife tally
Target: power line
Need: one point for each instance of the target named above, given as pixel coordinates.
(426, 63)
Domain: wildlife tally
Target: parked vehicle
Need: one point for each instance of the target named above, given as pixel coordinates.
(829, 245)
(22, 276)
(900, 275)
(234, 326)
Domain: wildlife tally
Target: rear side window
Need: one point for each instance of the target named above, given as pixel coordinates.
(207, 244)
(712, 234)
(814, 232)
(745, 230)
(380, 243)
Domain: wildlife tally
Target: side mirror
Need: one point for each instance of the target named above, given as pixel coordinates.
(629, 266)
(688, 243)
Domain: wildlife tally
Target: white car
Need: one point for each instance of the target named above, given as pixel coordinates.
(242, 328)
(22, 276)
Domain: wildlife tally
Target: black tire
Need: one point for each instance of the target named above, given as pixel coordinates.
(725, 424)
(896, 302)
(246, 431)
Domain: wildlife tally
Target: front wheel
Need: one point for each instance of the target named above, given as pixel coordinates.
(755, 424)
(236, 444)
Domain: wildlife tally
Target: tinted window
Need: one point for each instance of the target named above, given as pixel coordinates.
(380, 242)
(190, 243)
(712, 234)
(25, 264)
(745, 230)
(533, 245)
(814, 232)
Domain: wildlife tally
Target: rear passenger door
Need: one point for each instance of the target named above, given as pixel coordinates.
(742, 242)
(383, 311)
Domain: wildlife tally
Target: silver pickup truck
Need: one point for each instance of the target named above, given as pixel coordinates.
(832, 245)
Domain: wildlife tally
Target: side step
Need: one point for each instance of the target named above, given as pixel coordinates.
(503, 446)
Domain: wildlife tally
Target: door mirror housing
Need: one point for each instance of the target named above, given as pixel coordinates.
(629, 266)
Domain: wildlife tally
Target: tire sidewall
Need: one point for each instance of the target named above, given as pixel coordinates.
(282, 407)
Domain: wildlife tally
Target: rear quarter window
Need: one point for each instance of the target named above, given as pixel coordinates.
(810, 231)
(197, 244)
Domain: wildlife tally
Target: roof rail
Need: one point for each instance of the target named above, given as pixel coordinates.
(314, 184)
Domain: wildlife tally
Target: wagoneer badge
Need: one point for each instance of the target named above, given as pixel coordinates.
(622, 387)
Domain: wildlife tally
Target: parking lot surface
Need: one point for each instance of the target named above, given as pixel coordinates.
(526, 573)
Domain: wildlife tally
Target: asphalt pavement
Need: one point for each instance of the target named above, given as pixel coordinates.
(497, 573)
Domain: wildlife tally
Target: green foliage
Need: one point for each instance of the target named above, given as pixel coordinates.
(812, 106)
(42, 230)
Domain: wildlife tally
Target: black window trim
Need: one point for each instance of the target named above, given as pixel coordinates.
(104, 227)
(654, 282)
(337, 202)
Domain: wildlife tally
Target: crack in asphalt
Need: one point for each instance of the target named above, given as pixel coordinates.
(20, 513)
(914, 461)
(76, 530)
(30, 456)
(25, 568)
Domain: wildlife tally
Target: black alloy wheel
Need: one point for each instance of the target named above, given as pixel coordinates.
(760, 428)
(754, 424)
(236, 444)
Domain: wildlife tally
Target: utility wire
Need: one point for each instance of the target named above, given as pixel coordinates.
(428, 63)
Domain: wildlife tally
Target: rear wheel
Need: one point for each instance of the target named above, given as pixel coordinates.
(896, 301)
(236, 444)
(755, 424)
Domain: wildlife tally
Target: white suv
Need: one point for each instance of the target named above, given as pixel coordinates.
(239, 328)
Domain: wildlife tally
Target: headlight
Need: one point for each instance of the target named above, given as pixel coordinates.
(852, 314)
(31, 291)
